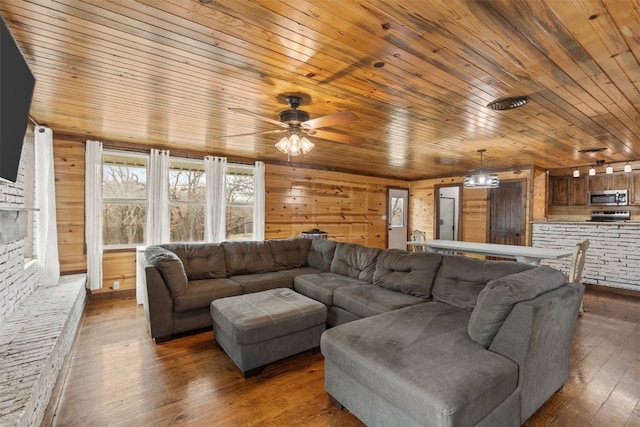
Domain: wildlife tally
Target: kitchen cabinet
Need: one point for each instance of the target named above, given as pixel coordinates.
(569, 191)
(634, 188)
(559, 190)
(613, 181)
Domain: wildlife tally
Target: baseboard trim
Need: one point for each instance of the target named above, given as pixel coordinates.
(611, 290)
(126, 293)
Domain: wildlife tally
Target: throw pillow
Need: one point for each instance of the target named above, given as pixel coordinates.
(171, 268)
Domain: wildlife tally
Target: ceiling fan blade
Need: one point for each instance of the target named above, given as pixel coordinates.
(337, 137)
(330, 120)
(258, 116)
(264, 132)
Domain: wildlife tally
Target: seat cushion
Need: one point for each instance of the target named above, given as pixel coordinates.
(321, 286)
(460, 278)
(252, 318)
(497, 299)
(411, 273)
(369, 300)
(421, 360)
(200, 293)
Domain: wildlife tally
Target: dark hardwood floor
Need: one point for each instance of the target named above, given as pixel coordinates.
(118, 377)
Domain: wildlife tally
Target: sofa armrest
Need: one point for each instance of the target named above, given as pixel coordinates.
(537, 336)
(159, 305)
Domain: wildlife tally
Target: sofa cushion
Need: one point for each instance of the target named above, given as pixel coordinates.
(200, 260)
(354, 260)
(170, 267)
(411, 273)
(367, 300)
(289, 253)
(405, 356)
(321, 286)
(460, 279)
(200, 293)
(321, 254)
(497, 299)
(247, 257)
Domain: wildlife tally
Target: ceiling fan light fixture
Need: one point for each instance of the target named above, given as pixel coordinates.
(481, 179)
(508, 103)
(292, 145)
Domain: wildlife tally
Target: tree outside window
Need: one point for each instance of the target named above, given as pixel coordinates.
(124, 194)
(187, 201)
(239, 192)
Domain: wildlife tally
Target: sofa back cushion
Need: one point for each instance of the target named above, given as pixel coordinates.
(247, 257)
(460, 279)
(321, 254)
(171, 268)
(200, 260)
(354, 260)
(411, 273)
(497, 299)
(289, 253)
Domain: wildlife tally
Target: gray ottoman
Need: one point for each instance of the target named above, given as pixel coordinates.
(260, 328)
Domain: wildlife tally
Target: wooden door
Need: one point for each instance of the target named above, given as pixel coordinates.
(507, 213)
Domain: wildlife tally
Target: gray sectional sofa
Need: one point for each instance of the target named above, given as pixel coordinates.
(416, 339)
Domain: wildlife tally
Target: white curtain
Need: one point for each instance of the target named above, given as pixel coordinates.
(215, 171)
(258, 201)
(157, 230)
(47, 231)
(93, 213)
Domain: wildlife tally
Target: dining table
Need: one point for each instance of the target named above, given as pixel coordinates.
(527, 254)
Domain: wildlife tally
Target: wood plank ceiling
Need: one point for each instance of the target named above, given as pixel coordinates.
(166, 73)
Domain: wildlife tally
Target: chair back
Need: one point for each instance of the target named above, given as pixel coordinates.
(577, 264)
(418, 236)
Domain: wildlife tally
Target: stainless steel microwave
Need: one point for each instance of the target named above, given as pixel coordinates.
(609, 198)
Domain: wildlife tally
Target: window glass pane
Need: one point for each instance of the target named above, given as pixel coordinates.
(124, 178)
(239, 188)
(124, 223)
(186, 185)
(187, 222)
(397, 212)
(239, 222)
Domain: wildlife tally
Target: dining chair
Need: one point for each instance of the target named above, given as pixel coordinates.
(577, 266)
(418, 236)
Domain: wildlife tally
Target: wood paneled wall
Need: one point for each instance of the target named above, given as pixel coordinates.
(350, 208)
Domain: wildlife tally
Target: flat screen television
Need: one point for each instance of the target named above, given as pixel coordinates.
(16, 91)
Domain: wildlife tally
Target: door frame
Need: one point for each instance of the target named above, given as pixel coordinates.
(436, 209)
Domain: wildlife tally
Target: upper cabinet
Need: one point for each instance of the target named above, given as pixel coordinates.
(613, 181)
(566, 190)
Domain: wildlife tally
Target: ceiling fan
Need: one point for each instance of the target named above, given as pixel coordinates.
(296, 126)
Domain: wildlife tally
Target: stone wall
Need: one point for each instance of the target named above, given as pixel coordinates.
(17, 280)
(613, 257)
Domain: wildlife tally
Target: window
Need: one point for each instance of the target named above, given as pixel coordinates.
(187, 200)
(239, 191)
(124, 197)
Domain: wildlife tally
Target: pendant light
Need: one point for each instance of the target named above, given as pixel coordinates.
(481, 179)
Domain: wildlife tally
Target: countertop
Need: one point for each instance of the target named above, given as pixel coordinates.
(584, 222)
